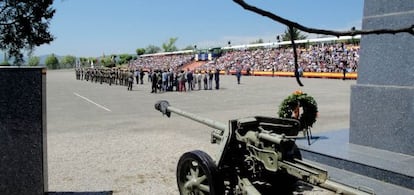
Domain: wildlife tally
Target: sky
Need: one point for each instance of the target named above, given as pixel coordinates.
(92, 28)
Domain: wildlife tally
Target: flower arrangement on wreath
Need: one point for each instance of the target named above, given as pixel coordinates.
(299, 106)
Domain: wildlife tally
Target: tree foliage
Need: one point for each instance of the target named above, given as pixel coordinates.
(68, 61)
(125, 58)
(152, 49)
(34, 61)
(140, 51)
(83, 61)
(170, 45)
(24, 25)
(52, 62)
(297, 34)
(107, 61)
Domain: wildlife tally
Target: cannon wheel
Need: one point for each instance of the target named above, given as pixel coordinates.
(198, 174)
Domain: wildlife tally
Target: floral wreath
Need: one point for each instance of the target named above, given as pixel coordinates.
(291, 108)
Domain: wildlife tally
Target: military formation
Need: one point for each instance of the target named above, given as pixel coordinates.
(160, 80)
(116, 76)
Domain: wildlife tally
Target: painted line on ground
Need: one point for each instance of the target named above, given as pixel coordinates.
(96, 104)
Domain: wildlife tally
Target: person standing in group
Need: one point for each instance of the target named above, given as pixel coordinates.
(205, 78)
(179, 75)
(164, 77)
(181, 81)
(130, 78)
(150, 74)
(210, 79)
(100, 76)
(217, 78)
(154, 82)
(190, 78)
(141, 76)
(175, 80)
(195, 80)
(136, 74)
(170, 80)
(199, 78)
(77, 73)
(111, 76)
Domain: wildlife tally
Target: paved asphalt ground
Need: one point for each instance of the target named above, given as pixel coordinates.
(105, 138)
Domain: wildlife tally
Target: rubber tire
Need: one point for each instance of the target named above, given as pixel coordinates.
(206, 166)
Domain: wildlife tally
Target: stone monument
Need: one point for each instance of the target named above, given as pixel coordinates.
(382, 101)
(379, 142)
(23, 155)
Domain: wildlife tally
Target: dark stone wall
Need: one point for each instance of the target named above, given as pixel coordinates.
(382, 101)
(23, 162)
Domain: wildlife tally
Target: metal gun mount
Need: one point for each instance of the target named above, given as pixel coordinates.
(258, 155)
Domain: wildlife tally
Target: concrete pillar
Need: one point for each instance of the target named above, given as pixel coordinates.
(23, 154)
(382, 101)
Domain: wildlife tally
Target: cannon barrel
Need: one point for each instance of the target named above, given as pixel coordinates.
(164, 107)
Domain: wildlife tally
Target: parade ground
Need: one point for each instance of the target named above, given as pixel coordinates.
(106, 138)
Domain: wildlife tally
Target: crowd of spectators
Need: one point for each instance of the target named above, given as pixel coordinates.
(312, 58)
(161, 62)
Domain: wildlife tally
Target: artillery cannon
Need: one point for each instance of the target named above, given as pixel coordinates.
(258, 155)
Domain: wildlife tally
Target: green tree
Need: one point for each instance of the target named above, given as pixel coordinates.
(152, 49)
(24, 25)
(140, 51)
(297, 34)
(34, 61)
(170, 45)
(68, 61)
(107, 61)
(52, 62)
(114, 59)
(124, 58)
(83, 61)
